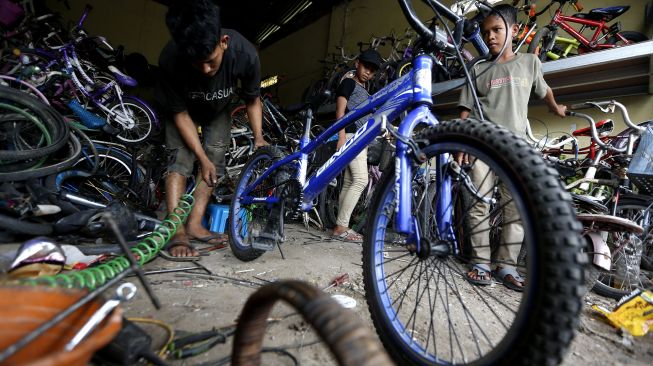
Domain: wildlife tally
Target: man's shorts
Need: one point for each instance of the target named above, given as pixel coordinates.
(216, 137)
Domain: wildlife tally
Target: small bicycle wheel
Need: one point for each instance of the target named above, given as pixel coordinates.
(542, 42)
(134, 119)
(328, 204)
(630, 37)
(628, 250)
(424, 307)
(247, 218)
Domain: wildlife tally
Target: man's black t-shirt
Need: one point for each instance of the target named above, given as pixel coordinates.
(183, 88)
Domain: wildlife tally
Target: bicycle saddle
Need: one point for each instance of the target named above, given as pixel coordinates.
(605, 14)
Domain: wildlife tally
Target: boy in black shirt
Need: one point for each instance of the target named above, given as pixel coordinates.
(201, 67)
(350, 93)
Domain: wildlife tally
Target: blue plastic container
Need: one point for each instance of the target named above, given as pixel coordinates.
(216, 217)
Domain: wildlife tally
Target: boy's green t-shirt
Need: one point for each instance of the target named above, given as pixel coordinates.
(504, 91)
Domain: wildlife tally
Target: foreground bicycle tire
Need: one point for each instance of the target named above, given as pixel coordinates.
(548, 311)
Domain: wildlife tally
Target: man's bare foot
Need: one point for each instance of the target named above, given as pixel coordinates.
(179, 246)
(206, 236)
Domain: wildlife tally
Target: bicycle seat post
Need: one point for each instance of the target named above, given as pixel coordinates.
(307, 127)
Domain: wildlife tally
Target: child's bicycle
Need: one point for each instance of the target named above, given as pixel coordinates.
(549, 45)
(423, 308)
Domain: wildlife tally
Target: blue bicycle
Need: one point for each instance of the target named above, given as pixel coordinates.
(416, 254)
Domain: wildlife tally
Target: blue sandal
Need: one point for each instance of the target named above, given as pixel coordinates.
(502, 273)
(482, 271)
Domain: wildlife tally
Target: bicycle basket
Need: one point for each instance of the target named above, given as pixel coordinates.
(640, 170)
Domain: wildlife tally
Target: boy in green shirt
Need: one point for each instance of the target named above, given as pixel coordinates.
(503, 91)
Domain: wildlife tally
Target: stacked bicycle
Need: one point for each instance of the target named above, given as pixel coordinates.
(616, 210)
(65, 98)
(550, 45)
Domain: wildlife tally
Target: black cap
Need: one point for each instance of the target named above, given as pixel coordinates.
(371, 57)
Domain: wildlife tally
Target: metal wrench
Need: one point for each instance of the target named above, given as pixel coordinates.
(124, 292)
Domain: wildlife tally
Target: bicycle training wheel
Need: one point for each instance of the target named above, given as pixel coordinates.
(424, 309)
(244, 219)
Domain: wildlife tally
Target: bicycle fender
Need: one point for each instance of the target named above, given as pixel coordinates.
(602, 257)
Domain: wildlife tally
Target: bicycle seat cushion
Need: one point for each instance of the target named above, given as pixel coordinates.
(605, 14)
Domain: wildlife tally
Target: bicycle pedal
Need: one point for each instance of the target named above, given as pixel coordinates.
(264, 241)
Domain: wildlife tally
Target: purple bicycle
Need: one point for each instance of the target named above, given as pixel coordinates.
(71, 83)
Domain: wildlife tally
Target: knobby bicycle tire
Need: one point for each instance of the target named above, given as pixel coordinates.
(550, 306)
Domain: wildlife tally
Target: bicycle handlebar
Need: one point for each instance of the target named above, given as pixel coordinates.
(608, 106)
(431, 36)
(542, 144)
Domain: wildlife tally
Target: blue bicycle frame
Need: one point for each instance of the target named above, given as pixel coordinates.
(412, 90)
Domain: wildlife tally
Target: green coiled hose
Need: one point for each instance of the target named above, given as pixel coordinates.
(145, 251)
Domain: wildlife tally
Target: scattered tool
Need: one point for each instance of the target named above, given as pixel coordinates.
(339, 280)
(125, 292)
(236, 281)
(171, 270)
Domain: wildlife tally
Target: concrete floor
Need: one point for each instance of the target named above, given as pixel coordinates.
(194, 305)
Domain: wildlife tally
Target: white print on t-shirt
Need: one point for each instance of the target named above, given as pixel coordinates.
(220, 94)
(508, 80)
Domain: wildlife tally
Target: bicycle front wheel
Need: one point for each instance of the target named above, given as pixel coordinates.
(422, 302)
(134, 119)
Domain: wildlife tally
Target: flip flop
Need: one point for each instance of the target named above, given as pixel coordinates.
(502, 273)
(482, 270)
(349, 236)
(175, 243)
(221, 238)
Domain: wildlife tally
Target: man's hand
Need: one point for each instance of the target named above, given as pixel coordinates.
(209, 173)
(560, 110)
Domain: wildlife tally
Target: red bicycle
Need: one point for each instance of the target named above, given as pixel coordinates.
(549, 45)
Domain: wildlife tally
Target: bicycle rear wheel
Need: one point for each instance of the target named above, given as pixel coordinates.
(628, 251)
(244, 219)
(424, 310)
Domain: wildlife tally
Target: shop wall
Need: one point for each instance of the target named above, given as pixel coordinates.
(358, 20)
(138, 25)
(295, 58)
(640, 107)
